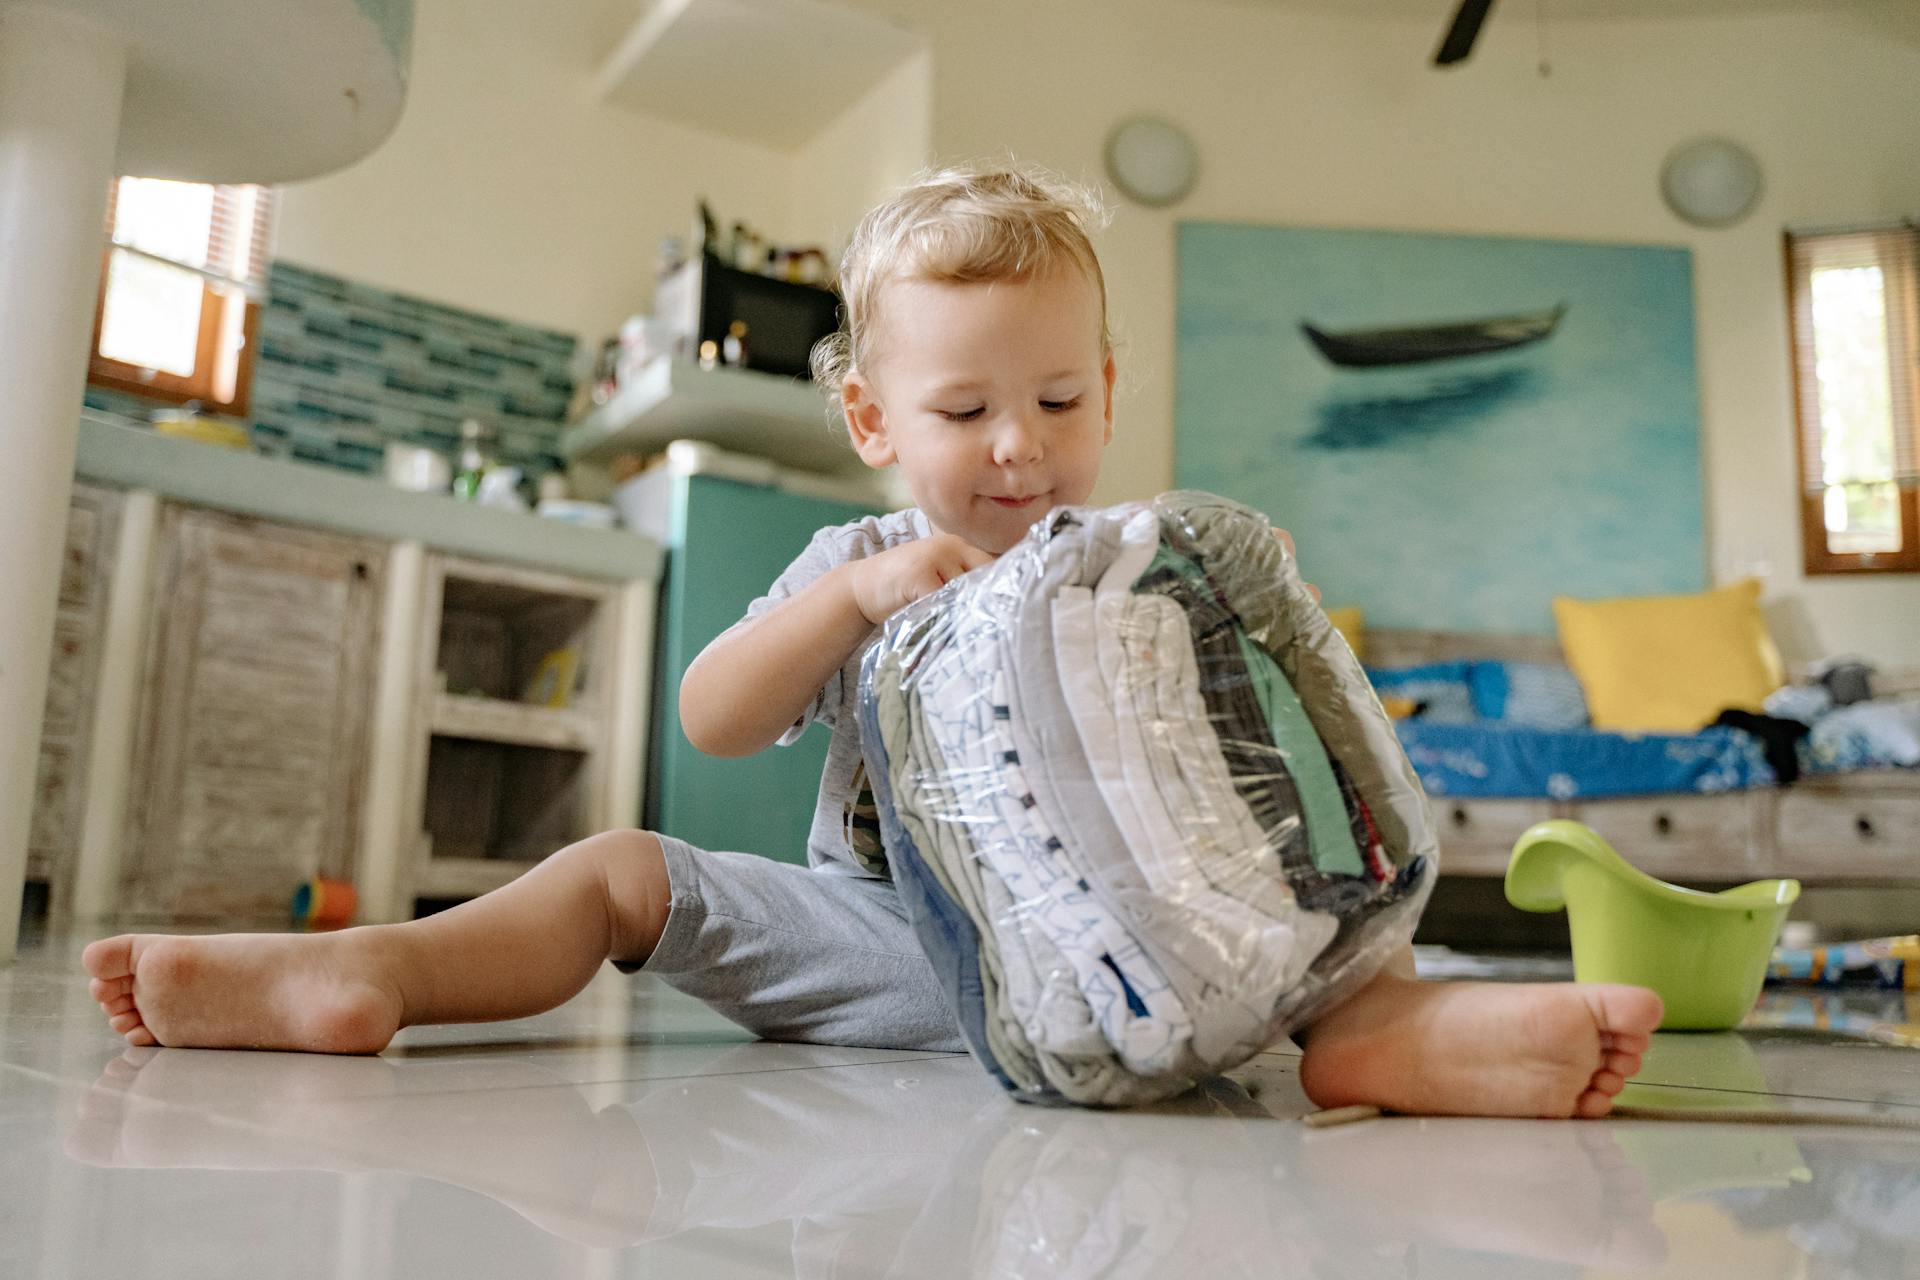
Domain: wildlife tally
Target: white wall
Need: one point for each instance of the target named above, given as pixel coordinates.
(1321, 120)
(508, 189)
(873, 147)
(505, 188)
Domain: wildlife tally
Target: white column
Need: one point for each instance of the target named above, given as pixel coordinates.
(388, 833)
(629, 727)
(60, 85)
(108, 776)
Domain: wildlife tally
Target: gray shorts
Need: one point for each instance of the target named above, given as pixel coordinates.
(791, 953)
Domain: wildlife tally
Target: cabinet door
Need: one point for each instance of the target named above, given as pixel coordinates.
(54, 837)
(253, 736)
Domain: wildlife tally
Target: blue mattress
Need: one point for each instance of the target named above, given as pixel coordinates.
(1483, 759)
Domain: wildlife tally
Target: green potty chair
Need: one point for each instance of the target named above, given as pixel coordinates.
(1704, 953)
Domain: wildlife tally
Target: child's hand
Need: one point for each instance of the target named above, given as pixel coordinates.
(895, 578)
(1286, 540)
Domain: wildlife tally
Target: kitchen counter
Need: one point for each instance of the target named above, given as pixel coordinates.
(119, 455)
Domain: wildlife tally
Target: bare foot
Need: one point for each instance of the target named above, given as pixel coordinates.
(322, 993)
(1480, 1048)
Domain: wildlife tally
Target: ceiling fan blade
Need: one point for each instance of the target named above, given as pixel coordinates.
(1464, 31)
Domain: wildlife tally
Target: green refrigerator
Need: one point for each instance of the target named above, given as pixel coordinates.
(727, 539)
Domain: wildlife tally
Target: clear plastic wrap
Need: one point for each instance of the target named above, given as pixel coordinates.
(1142, 805)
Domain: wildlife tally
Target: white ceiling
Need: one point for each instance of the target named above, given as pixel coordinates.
(1900, 18)
(1440, 10)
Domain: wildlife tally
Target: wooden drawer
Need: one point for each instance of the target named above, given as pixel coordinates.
(1476, 836)
(1848, 835)
(1683, 837)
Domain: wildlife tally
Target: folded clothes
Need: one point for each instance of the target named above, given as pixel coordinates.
(1880, 734)
(1143, 809)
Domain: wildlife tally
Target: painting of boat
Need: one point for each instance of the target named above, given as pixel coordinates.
(1419, 344)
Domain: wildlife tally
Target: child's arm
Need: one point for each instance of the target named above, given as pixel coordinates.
(748, 686)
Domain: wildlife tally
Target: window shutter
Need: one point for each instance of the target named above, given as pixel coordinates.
(239, 234)
(1854, 295)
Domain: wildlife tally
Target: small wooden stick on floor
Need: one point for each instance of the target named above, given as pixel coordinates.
(1339, 1115)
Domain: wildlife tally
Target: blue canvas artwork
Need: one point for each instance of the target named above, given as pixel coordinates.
(1455, 428)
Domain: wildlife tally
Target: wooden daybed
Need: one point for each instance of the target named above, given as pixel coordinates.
(1855, 828)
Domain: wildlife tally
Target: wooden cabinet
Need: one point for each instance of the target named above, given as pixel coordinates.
(53, 839)
(1702, 838)
(1851, 828)
(250, 750)
(1476, 836)
(1858, 827)
(514, 714)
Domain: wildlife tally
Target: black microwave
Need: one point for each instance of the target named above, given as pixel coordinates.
(783, 320)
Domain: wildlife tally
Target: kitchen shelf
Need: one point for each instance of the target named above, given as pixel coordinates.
(783, 420)
(502, 777)
(513, 723)
(773, 72)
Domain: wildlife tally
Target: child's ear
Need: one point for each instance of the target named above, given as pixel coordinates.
(1110, 372)
(866, 422)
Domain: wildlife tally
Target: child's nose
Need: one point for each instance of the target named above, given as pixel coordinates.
(1017, 442)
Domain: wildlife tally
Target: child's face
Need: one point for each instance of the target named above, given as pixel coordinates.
(996, 400)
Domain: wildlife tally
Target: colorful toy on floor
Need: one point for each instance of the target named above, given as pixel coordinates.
(1874, 962)
(321, 903)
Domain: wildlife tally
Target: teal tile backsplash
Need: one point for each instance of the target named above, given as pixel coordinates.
(342, 368)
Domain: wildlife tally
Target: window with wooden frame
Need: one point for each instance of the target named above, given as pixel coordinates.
(1855, 296)
(181, 276)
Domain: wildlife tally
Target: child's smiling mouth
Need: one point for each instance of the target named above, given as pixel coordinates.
(1016, 503)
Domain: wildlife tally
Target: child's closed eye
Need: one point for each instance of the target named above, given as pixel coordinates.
(968, 415)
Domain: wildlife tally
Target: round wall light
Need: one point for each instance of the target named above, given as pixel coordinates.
(1711, 182)
(1151, 161)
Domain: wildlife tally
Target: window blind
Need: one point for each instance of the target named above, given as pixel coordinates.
(234, 254)
(1893, 252)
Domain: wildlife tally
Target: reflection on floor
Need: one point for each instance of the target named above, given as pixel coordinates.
(631, 1133)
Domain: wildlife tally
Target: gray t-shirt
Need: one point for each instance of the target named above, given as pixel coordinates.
(837, 824)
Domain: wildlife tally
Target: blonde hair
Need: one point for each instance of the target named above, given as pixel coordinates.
(970, 224)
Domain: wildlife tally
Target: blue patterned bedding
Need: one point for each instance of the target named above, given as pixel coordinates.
(1503, 759)
(1520, 730)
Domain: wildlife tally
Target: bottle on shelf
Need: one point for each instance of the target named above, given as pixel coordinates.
(812, 266)
(745, 246)
(733, 348)
(475, 461)
(673, 256)
(706, 232)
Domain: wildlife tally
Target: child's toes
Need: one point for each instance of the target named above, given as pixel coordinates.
(1593, 1104)
(104, 990)
(141, 1038)
(1624, 1065)
(114, 1008)
(124, 1022)
(1626, 1042)
(109, 958)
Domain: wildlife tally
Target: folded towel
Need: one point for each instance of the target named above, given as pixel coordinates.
(1143, 809)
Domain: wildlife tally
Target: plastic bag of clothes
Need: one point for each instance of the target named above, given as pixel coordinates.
(1143, 807)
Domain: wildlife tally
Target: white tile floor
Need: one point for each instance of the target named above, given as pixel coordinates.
(631, 1133)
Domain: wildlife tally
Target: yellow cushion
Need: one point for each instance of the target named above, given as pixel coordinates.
(1349, 621)
(1669, 664)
